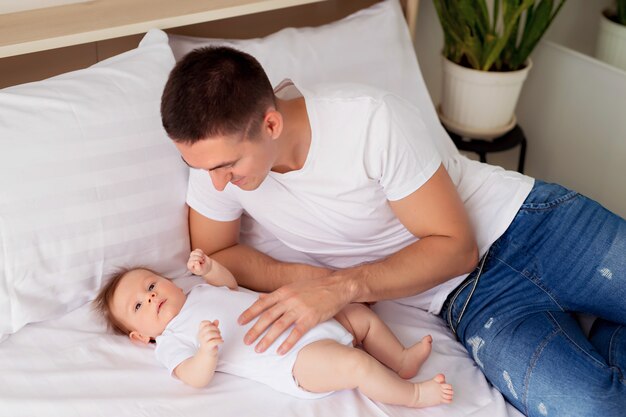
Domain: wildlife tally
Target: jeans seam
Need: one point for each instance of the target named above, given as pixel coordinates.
(611, 346)
(556, 323)
(612, 349)
(532, 364)
(479, 270)
(471, 294)
(550, 204)
(533, 282)
(452, 301)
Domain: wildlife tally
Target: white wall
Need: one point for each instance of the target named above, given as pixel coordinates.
(572, 108)
(576, 26)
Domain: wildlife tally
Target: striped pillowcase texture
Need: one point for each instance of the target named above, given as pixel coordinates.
(89, 183)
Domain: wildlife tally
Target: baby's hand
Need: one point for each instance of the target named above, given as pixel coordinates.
(209, 336)
(199, 263)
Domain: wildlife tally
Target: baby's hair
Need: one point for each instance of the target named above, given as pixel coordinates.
(102, 303)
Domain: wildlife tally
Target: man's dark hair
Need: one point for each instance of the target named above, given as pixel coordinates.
(215, 91)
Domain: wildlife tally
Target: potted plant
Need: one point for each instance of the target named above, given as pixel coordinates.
(486, 60)
(611, 43)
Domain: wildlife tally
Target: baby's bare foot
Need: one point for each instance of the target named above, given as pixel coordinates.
(432, 392)
(414, 357)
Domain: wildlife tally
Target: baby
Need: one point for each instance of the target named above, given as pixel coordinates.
(151, 309)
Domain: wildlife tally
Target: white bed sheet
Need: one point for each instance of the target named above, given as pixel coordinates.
(71, 367)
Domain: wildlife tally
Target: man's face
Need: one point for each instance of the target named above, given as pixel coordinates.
(145, 303)
(241, 162)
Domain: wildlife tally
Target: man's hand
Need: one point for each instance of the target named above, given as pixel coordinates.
(304, 304)
(209, 337)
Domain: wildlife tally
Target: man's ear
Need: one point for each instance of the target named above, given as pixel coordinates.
(273, 123)
(137, 337)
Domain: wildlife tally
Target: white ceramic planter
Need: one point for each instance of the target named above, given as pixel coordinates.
(480, 104)
(611, 43)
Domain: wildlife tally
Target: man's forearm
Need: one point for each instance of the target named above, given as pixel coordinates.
(410, 271)
(414, 269)
(259, 272)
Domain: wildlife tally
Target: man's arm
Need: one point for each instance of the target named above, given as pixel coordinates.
(446, 248)
(251, 268)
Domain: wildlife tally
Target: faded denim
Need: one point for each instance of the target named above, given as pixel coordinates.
(563, 253)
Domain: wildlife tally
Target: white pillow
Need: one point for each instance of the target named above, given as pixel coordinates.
(89, 182)
(371, 46)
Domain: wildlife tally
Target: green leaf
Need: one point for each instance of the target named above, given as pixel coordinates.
(621, 12)
(463, 30)
(496, 15)
(534, 29)
(512, 11)
(497, 42)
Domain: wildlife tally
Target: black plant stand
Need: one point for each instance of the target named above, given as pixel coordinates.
(482, 147)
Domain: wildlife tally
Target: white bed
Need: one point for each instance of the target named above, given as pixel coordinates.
(71, 367)
(89, 182)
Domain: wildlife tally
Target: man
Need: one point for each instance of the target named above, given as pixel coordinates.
(243, 134)
(348, 176)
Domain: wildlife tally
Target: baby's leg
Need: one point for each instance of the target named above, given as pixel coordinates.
(326, 365)
(378, 340)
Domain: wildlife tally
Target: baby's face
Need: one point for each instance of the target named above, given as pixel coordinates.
(145, 302)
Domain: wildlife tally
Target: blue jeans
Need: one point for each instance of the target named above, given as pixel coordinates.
(563, 253)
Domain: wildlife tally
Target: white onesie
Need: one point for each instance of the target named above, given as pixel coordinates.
(206, 302)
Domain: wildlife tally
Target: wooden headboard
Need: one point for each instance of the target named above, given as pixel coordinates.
(39, 43)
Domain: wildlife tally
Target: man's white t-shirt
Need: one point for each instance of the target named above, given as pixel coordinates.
(368, 147)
